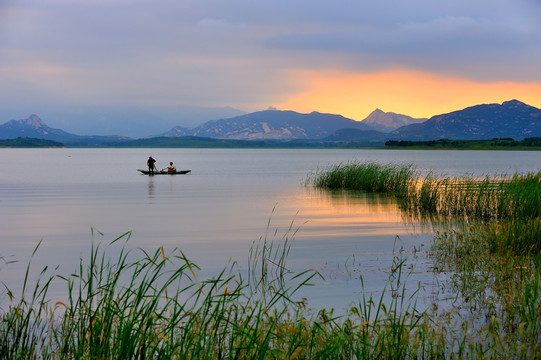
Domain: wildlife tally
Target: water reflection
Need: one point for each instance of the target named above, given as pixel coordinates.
(346, 199)
(335, 212)
(350, 206)
(151, 189)
(215, 214)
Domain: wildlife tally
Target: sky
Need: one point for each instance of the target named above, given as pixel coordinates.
(80, 63)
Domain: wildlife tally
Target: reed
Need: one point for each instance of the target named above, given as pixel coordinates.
(152, 305)
(517, 196)
(267, 259)
(494, 258)
(374, 177)
(498, 293)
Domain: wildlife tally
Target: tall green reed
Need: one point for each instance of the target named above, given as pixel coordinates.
(152, 305)
(516, 196)
(140, 305)
(493, 259)
(22, 325)
(498, 292)
(374, 177)
(267, 258)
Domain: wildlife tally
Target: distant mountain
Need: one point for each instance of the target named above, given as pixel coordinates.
(133, 121)
(389, 121)
(511, 119)
(356, 135)
(271, 124)
(32, 127)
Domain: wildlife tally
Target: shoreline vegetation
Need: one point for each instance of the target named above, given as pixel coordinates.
(533, 143)
(153, 305)
(29, 143)
(492, 248)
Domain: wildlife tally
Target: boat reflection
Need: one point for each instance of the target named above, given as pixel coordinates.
(151, 189)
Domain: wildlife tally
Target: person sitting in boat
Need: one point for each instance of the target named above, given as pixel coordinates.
(171, 167)
(151, 164)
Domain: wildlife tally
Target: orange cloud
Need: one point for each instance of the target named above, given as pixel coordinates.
(412, 93)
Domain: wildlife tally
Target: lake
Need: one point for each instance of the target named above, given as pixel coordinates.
(232, 198)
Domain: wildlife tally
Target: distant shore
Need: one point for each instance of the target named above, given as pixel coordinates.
(528, 144)
(533, 143)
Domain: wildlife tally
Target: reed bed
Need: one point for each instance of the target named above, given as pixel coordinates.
(516, 196)
(373, 177)
(493, 257)
(142, 305)
(497, 292)
(155, 307)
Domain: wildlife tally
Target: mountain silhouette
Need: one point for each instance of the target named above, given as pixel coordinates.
(513, 119)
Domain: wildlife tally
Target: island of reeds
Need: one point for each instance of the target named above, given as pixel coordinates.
(142, 305)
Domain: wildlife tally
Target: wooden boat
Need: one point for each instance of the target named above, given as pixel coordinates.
(164, 172)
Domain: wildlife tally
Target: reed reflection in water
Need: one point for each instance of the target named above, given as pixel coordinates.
(346, 235)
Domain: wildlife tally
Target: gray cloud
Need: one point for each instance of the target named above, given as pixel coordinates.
(219, 53)
(462, 45)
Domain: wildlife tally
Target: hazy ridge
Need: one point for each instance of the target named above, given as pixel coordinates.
(511, 119)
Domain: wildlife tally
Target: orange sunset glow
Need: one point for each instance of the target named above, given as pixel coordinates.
(342, 213)
(193, 62)
(414, 93)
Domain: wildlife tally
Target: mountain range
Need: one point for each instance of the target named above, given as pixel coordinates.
(31, 127)
(388, 121)
(511, 119)
(271, 124)
(34, 127)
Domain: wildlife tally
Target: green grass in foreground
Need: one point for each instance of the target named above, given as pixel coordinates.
(156, 307)
(500, 289)
(152, 305)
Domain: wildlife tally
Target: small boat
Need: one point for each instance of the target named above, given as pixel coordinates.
(164, 172)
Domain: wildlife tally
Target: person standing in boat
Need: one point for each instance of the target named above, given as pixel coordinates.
(171, 167)
(150, 163)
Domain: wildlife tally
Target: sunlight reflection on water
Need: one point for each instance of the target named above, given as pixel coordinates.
(216, 213)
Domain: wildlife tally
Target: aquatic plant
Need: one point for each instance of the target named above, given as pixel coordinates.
(153, 305)
(497, 288)
(374, 177)
(516, 196)
(493, 257)
(141, 305)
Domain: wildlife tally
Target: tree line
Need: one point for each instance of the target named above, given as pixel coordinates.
(448, 143)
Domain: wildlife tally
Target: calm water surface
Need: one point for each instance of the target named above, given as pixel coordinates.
(216, 213)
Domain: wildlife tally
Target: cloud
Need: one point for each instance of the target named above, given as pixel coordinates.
(460, 45)
(414, 93)
(242, 53)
